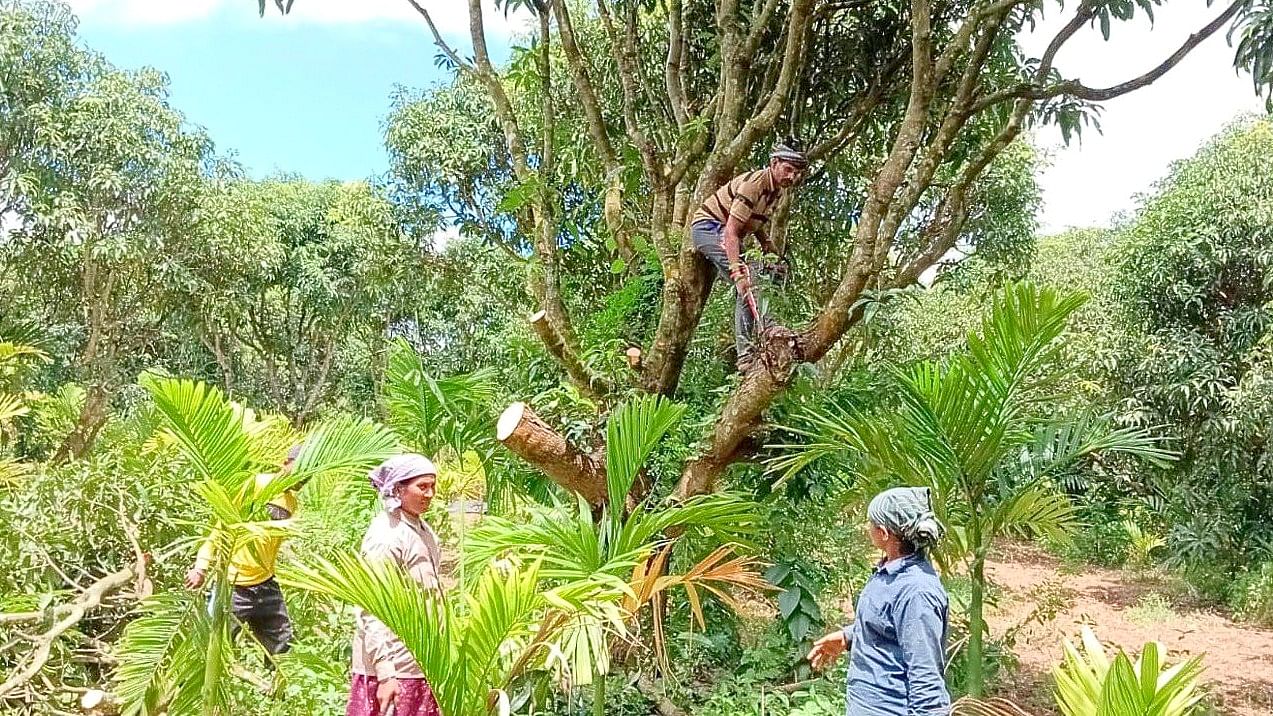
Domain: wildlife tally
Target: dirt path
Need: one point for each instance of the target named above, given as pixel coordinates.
(1126, 610)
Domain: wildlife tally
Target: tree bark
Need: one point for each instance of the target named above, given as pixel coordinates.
(92, 418)
(529, 437)
(578, 372)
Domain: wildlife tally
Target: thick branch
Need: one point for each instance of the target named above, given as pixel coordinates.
(503, 107)
(578, 372)
(672, 69)
(74, 612)
(833, 320)
(953, 208)
(957, 116)
(800, 18)
(583, 85)
(597, 128)
(529, 437)
(625, 57)
(758, 24)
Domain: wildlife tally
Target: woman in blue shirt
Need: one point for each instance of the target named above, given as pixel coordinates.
(897, 643)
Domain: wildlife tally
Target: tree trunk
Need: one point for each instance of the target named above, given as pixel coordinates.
(524, 433)
(977, 626)
(92, 418)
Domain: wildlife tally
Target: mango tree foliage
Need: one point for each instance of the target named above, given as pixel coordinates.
(1196, 274)
(300, 284)
(102, 180)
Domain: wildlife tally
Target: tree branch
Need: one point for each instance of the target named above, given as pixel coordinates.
(442, 44)
(1075, 88)
(495, 87)
(800, 19)
(587, 381)
(672, 69)
(527, 436)
(624, 56)
(74, 612)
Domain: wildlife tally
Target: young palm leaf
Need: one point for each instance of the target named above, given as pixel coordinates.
(457, 645)
(632, 432)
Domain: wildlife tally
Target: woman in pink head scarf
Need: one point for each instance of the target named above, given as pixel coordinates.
(386, 678)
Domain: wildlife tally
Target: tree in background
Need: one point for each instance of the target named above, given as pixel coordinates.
(300, 282)
(674, 98)
(1195, 276)
(101, 182)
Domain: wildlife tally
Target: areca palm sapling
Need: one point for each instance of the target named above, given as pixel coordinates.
(616, 565)
(174, 656)
(981, 430)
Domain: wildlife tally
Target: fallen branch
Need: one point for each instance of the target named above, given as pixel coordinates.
(71, 615)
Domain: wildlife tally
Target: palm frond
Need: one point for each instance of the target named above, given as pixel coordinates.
(1089, 683)
(13, 353)
(459, 652)
(1029, 511)
(1059, 446)
(170, 638)
(571, 549)
(419, 617)
(336, 451)
(211, 433)
(1017, 343)
(726, 516)
(632, 432)
(827, 433)
(501, 609)
(434, 413)
(12, 472)
(11, 408)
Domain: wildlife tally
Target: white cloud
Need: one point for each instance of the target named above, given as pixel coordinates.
(451, 16)
(1143, 131)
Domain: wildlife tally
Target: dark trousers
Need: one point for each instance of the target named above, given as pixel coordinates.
(261, 609)
(707, 237)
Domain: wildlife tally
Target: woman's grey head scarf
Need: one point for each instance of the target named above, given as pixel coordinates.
(396, 470)
(908, 513)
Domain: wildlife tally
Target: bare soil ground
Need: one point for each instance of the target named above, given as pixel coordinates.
(1124, 609)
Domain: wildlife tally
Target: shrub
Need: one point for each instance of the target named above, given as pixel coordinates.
(1252, 595)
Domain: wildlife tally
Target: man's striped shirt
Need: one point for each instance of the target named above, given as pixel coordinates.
(749, 197)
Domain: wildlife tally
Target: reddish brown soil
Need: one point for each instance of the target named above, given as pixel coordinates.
(1238, 658)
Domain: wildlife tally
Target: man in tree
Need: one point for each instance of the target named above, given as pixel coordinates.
(257, 600)
(740, 208)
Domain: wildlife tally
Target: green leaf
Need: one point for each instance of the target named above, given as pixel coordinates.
(632, 432)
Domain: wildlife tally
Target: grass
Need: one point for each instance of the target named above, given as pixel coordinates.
(1152, 608)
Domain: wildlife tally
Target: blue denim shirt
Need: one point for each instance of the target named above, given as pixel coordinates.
(897, 644)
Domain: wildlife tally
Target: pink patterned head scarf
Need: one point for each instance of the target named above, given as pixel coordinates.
(396, 470)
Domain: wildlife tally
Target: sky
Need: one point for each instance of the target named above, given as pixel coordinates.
(308, 93)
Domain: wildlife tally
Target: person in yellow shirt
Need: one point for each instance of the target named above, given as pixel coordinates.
(257, 600)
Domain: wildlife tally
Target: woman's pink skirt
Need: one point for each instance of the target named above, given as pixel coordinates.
(415, 698)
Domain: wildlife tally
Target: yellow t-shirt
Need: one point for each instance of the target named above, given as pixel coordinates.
(253, 563)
